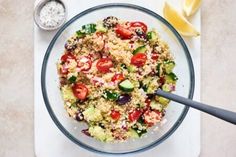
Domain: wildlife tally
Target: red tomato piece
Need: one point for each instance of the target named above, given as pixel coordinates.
(139, 59)
(67, 57)
(142, 25)
(134, 115)
(84, 63)
(123, 32)
(64, 70)
(115, 115)
(155, 56)
(104, 64)
(152, 117)
(80, 91)
(118, 77)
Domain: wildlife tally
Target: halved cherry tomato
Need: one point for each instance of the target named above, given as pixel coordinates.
(104, 64)
(152, 117)
(67, 56)
(155, 56)
(134, 115)
(66, 59)
(118, 77)
(84, 63)
(139, 24)
(123, 32)
(115, 115)
(139, 59)
(80, 91)
(64, 70)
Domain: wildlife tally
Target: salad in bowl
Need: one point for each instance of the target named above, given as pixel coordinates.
(108, 73)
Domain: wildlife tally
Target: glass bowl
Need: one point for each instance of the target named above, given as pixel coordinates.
(175, 113)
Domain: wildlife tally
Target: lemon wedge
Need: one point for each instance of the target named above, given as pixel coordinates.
(191, 6)
(179, 21)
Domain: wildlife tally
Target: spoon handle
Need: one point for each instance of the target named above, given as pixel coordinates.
(228, 116)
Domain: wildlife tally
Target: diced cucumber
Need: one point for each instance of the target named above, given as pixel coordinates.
(92, 114)
(163, 101)
(152, 35)
(99, 133)
(140, 49)
(169, 66)
(171, 78)
(126, 86)
(131, 68)
(132, 133)
(156, 106)
(166, 87)
(160, 69)
(67, 94)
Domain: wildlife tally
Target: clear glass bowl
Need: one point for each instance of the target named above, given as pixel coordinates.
(50, 82)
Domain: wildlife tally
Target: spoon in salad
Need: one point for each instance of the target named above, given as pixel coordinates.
(225, 115)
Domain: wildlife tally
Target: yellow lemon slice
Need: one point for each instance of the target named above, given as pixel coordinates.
(191, 6)
(179, 21)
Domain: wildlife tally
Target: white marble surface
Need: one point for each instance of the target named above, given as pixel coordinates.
(218, 73)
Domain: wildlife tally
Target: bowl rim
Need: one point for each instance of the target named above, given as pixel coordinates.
(120, 5)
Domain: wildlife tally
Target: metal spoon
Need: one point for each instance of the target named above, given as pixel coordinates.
(225, 115)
